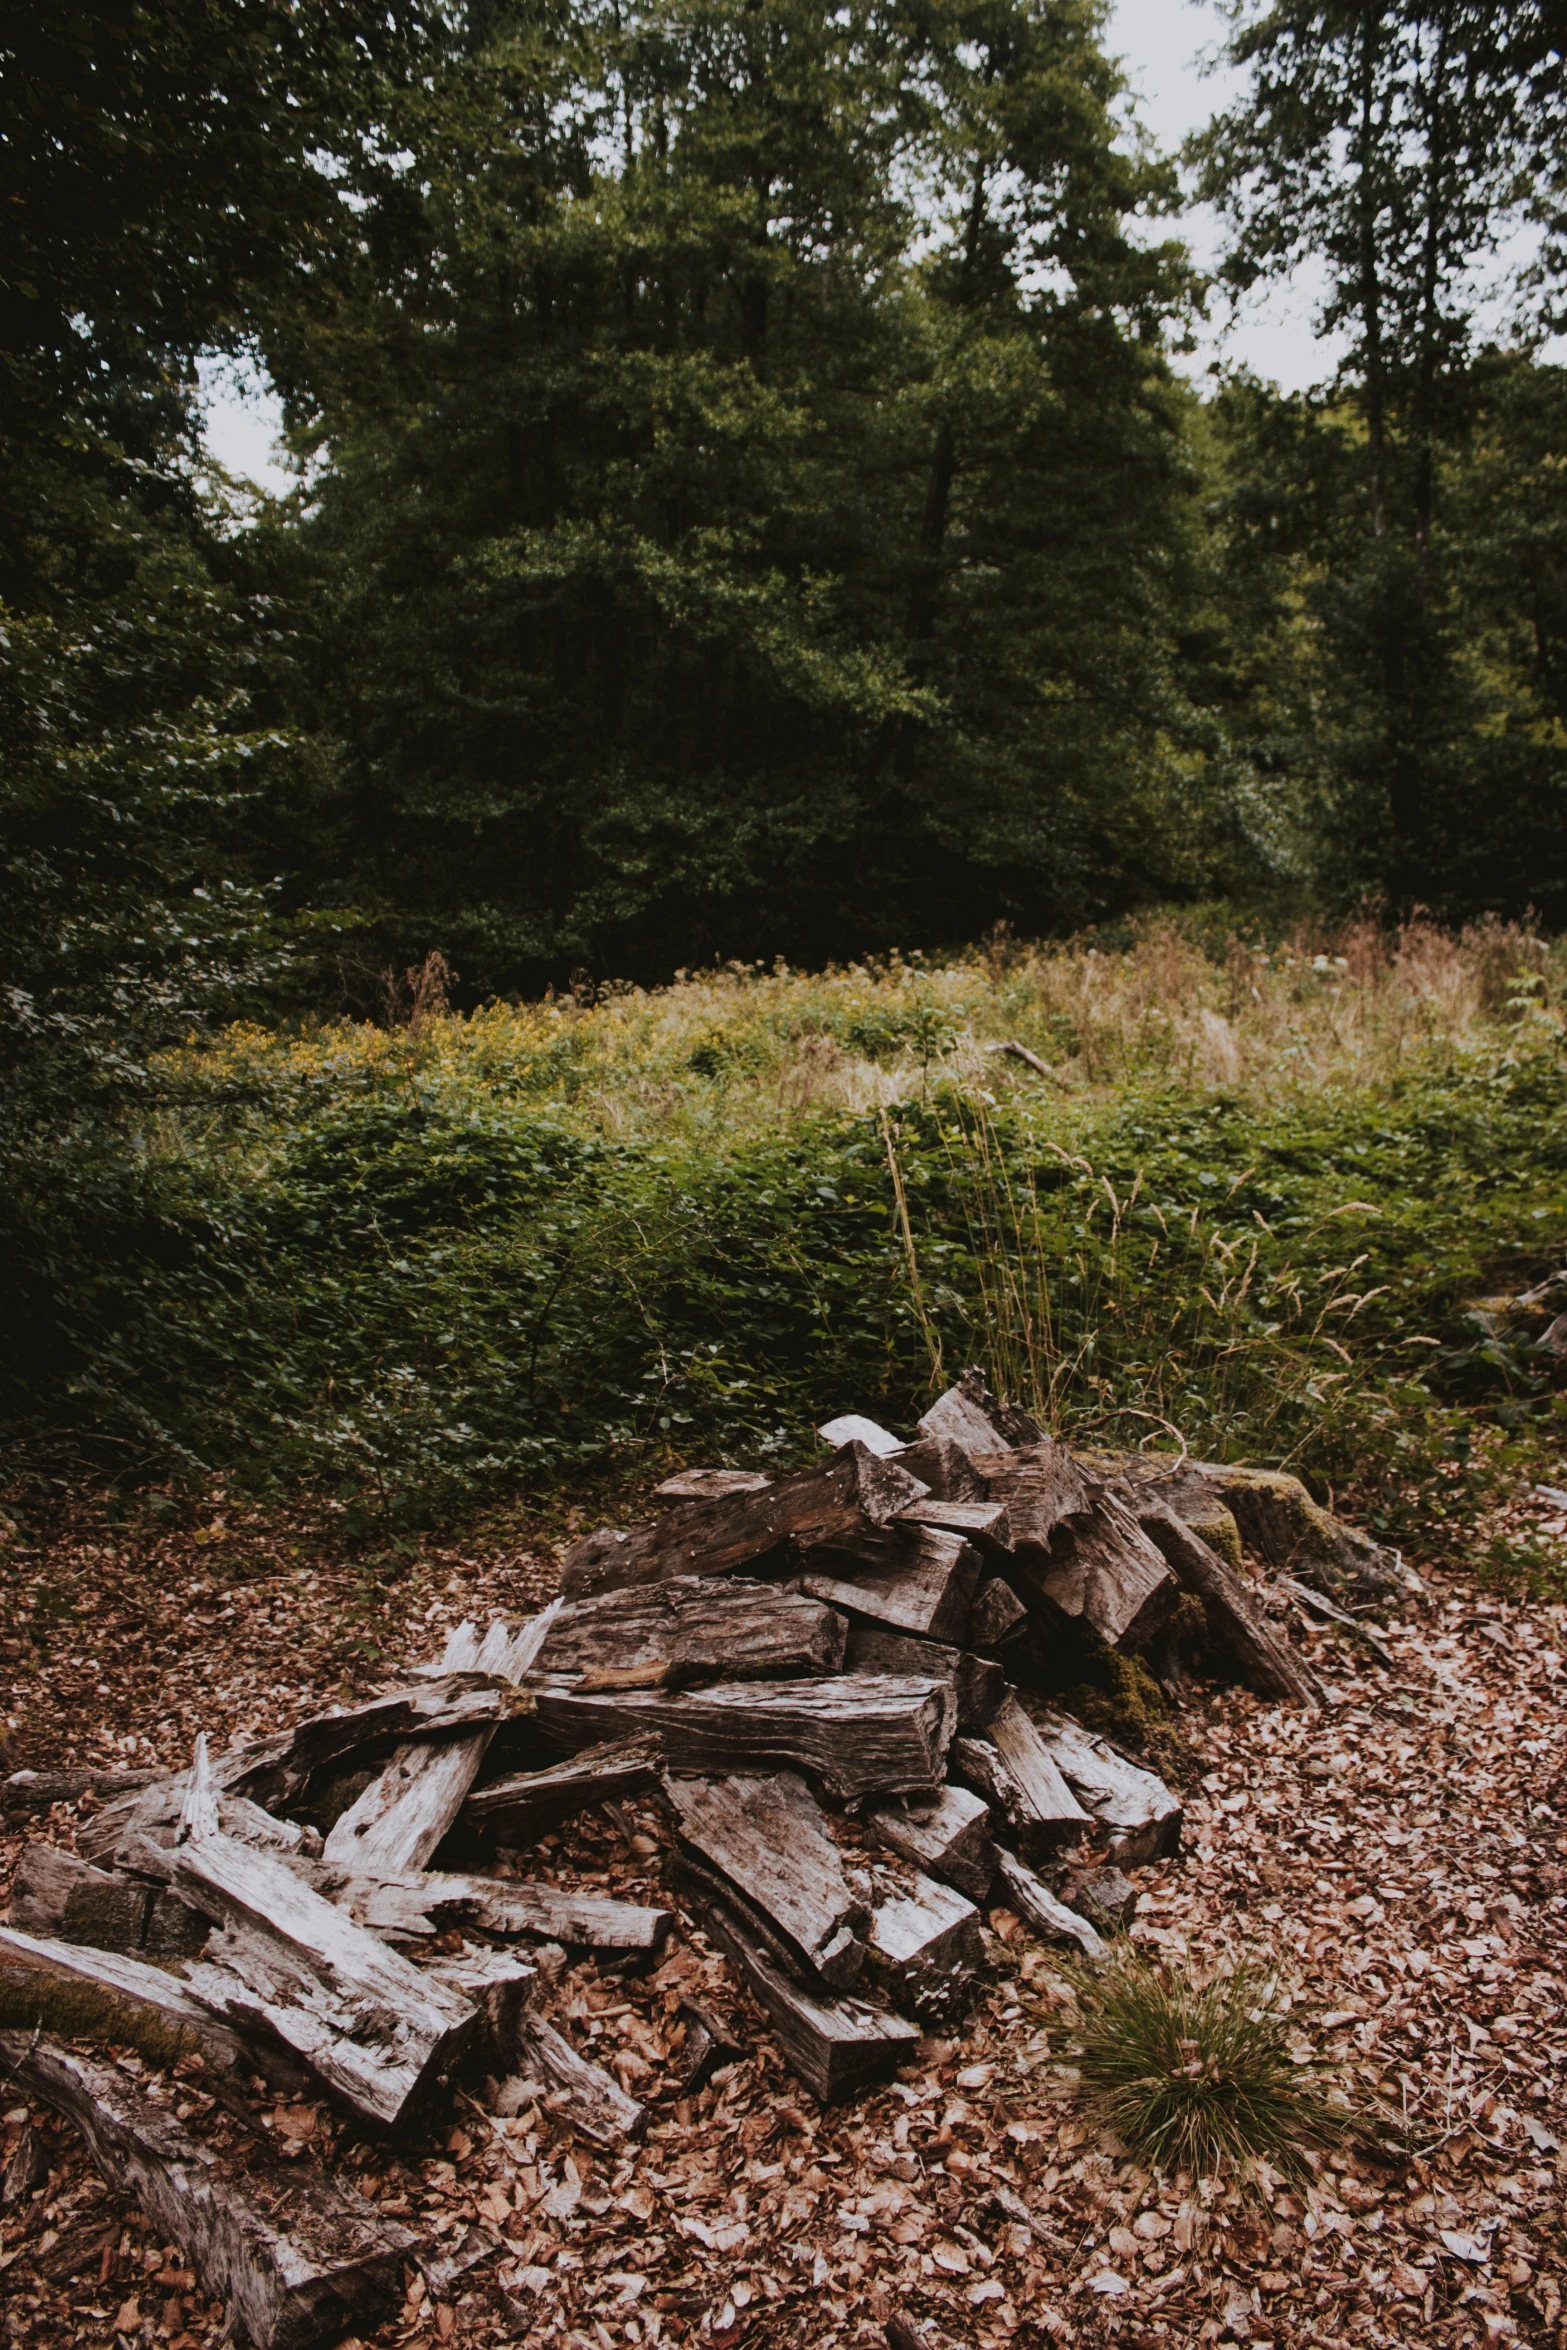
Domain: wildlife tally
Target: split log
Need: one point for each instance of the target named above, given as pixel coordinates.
(499, 1986)
(946, 1833)
(957, 1416)
(717, 1537)
(139, 1830)
(854, 1428)
(578, 2092)
(834, 2045)
(941, 1463)
(1105, 1574)
(297, 2258)
(984, 1523)
(1015, 1771)
(996, 1614)
(410, 1908)
(1268, 1664)
(874, 1735)
(376, 2031)
(59, 1894)
(710, 1484)
(978, 1685)
(1037, 1906)
(406, 1811)
(29, 1792)
(1143, 1817)
(454, 1705)
(913, 1578)
(767, 1838)
(1106, 1898)
(103, 1995)
(1276, 1516)
(522, 1808)
(925, 1945)
(688, 1629)
(1043, 1485)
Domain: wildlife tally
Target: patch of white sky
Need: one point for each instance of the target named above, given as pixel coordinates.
(1166, 49)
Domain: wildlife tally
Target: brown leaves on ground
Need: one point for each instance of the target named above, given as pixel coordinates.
(1403, 1857)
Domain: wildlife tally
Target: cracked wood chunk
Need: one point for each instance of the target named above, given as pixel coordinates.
(297, 2258)
(1014, 1769)
(925, 1944)
(946, 1833)
(918, 1579)
(286, 1960)
(1043, 1485)
(1142, 1815)
(57, 1893)
(977, 1684)
(454, 1703)
(1269, 1665)
(872, 1735)
(1037, 1906)
(1103, 1572)
(528, 1804)
(714, 1537)
(687, 1629)
(996, 1614)
(768, 1838)
(580, 2092)
(835, 2045)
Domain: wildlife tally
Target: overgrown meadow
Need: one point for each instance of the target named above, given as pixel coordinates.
(1269, 1201)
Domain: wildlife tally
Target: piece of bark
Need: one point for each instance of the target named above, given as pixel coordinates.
(411, 1907)
(1139, 1810)
(1104, 1896)
(710, 1484)
(288, 1961)
(27, 1792)
(854, 1428)
(996, 1614)
(520, 1809)
(297, 2258)
(768, 1839)
(1015, 1771)
(91, 1994)
(1267, 1664)
(835, 2045)
(977, 1683)
(578, 2092)
(941, 1463)
(27, 2168)
(1328, 1611)
(406, 1810)
(946, 1833)
(913, 1578)
(867, 1735)
(1019, 1888)
(1105, 1574)
(851, 1490)
(925, 1945)
(690, 1628)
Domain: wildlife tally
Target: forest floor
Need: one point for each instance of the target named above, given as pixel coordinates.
(1403, 1856)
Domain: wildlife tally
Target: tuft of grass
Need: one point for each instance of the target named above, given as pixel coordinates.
(1200, 2076)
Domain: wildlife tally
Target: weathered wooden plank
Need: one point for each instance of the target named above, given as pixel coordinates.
(996, 1614)
(526, 1805)
(1037, 1906)
(1268, 1664)
(946, 1832)
(690, 1628)
(417, 1905)
(913, 1578)
(925, 1945)
(1141, 1813)
(716, 1537)
(835, 2045)
(1103, 1572)
(977, 1683)
(408, 1808)
(710, 1484)
(854, 1428)
(91, 1994)
(871, 1735)
(297, 2258)
(139, 1830)
(286, 1959)
(579, 2092)
(768, 1838)
(1012, 1768)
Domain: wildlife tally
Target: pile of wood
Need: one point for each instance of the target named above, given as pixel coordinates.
(770, 1661)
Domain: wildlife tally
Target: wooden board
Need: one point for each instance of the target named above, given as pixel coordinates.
(1139, 1810)
(407, 1809)
(911, 1578)
(412, 1907)
(925, 1945)
(376, 2031)
(1268, 1664)
(716, 1537)
(767, 1837)
(528, 1804)
(1014, 1771)
(103, 1995)
(1037, 1906)
(297, 2258)
(977, 1684)
(688, 1629)
(835, 2045)
(946, 1833)
(871, 1735)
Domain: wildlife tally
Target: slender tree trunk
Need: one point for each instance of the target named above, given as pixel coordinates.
(1430, 292)
(1371, 276)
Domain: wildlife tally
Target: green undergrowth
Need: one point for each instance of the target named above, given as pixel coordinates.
(391, 1277)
